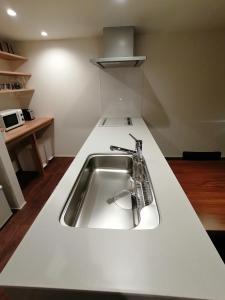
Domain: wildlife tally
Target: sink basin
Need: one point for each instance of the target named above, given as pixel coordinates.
(102, 196)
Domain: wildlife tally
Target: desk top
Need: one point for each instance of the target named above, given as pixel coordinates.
(28, 128)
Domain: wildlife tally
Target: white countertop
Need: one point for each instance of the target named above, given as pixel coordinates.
(175, 259)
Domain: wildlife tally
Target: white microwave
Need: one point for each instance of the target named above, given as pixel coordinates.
(11, 118)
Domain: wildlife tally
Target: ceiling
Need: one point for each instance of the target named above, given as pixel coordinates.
(79, 18)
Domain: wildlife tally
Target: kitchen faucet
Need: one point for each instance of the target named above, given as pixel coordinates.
(141, 190)
(138, 148)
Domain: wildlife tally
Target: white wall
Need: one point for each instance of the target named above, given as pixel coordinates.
(66, 87)
(121, 91)
(182, 86)
(184, 102)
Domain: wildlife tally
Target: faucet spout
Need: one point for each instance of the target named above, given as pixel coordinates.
(116, 148)
(138, 148)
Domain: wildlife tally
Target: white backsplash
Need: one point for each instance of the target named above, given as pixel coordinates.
(121, 92)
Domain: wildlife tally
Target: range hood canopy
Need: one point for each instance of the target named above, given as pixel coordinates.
(118, 45)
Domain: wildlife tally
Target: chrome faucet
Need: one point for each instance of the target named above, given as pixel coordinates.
(141, 191)
(138, 148)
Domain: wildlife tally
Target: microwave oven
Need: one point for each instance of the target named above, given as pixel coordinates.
(11, 118)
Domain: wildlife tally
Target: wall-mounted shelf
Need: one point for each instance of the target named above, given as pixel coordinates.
(10, 73)
(14, 57)
(5, 92)
(18, 76)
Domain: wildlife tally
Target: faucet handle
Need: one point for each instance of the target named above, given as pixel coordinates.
(133, 137)
(138, 142)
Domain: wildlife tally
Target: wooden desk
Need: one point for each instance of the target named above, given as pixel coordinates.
(28, 130)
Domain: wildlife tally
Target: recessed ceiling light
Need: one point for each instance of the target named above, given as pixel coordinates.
(44, 33)
(121, 1)
(11, 12)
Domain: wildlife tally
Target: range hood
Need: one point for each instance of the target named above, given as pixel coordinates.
(118, 43)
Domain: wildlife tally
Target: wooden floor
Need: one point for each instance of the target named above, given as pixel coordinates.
(203, 182)
(36, 191)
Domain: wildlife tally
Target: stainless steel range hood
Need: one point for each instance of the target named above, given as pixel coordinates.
(118, 45)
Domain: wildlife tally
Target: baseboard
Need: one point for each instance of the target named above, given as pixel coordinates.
(173, 158)
(181, 158)
(202, 155)
(62, 155)
(218, 239)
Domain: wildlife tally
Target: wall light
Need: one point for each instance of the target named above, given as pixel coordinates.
(11, 12)
(44, 33)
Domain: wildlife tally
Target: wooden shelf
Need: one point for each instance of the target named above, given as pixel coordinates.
(10, 73)
(5, 92)
(30, 127)
(13, 57)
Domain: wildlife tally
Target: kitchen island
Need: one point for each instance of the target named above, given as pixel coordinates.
(175, 259)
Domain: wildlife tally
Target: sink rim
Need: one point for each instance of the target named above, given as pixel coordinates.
(78, 211)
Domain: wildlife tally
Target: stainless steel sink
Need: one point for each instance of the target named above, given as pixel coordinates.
(102, 196)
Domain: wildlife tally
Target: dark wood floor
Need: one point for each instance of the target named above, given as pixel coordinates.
(203, 182)
(36, 190)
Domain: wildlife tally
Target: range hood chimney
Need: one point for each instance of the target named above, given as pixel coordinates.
(118, 45)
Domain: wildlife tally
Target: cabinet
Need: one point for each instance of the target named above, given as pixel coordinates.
(5, 211)
(8, 178)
